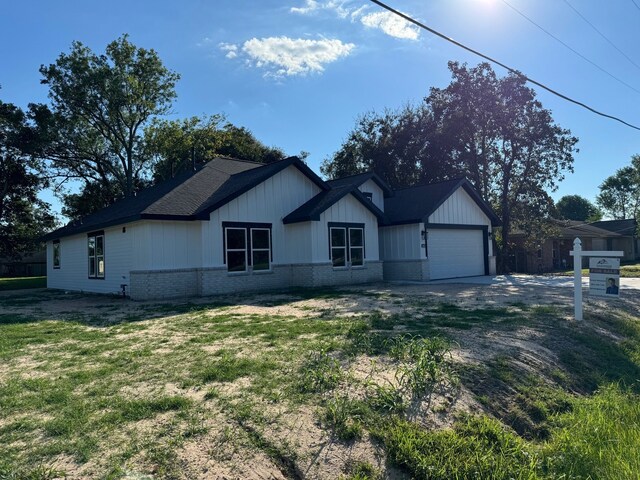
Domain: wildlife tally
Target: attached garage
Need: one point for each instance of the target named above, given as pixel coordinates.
(454, 253)
(437, 231)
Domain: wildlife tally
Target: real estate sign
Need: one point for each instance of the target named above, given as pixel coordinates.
(604, 276)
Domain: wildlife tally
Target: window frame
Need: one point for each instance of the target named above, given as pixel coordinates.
(57, 254)
(347, 228)
(95, 257)
(248, 228)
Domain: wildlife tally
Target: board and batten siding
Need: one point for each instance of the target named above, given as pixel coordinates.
(461, 209)
(268, 202)
(377, 195)
(159, 244)
(73, 273)
(347, 210)
(402, 242)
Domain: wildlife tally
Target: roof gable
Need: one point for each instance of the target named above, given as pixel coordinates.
(358, 179)
(190, 196)
(416, 204)
(312, 209)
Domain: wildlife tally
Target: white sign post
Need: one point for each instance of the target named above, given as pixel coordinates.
(577, 253)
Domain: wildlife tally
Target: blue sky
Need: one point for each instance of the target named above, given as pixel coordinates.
(297, 73)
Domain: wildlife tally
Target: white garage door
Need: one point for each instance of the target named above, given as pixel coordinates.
(455, 253)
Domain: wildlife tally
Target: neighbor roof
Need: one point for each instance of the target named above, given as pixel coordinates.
(190, 196)
(415, 204)
(623, 227)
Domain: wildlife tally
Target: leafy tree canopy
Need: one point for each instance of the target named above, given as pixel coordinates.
(99, 107)
(492, 130)
(23, 216)
(620, 193)
(575, 207)
(175, 144)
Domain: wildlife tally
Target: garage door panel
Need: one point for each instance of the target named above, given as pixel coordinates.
(455, 253)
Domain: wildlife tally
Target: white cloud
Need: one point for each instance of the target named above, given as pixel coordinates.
(230, 48)
(391, 24)
(388, 22)
(312, 6)
(284, 56)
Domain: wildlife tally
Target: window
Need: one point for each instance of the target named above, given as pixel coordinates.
(346, 244)
(339, 247)
(356, 246)
(247, 246)
(56, 254)
(96, 254)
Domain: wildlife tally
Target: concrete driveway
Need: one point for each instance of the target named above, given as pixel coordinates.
(532, 281)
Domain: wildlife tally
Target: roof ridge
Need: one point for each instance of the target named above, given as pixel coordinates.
(457, 179)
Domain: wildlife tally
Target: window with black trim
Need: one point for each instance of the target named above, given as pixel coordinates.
(247, 246)
(95, 242)
(346, 244)
(56, 254)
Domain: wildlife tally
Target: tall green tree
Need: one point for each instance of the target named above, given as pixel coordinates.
(100, 105)
(620, 193)
(23, 216)
(176, 144)
(492, 130)
(575, 207)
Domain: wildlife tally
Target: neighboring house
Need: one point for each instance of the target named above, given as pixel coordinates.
(628, 241)
(29, 265)
(553, 253)
(233, 225)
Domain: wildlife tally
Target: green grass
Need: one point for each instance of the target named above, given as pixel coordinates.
(630, 270)
(22, 283)
(123, 385)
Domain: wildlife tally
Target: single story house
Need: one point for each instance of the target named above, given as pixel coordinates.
(553, 253)
(627, 241)
(232, 225)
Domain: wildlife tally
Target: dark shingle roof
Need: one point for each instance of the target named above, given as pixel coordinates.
(358, 179)
(415, 204)
(190, 196)
(623, 227)
(312, 209)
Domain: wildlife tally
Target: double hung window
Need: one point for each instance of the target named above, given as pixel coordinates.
(56, 254)
(346, 244)
(96, 255)
(247, 246)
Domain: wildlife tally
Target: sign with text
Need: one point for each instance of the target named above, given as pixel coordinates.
(604, 276)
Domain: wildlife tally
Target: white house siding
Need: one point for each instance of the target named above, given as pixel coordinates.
(376, 191)
(73, 271)
(347, 210)
(461, 209)
(402, 242)
(166, 245)
(268, 202)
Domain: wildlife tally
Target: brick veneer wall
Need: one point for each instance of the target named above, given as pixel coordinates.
(416, 270)
(156, 284)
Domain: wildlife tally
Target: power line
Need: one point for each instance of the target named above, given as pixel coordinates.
(569, 47)
(602, 34)
(636, 4)
(506, 67)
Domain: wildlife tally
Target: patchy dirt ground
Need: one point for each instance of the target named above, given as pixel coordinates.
(248, 424)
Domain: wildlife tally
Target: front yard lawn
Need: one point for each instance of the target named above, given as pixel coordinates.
(454, 382)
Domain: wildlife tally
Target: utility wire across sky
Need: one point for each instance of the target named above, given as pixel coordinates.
(602, 34)
(569, 47)
(497, 62)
